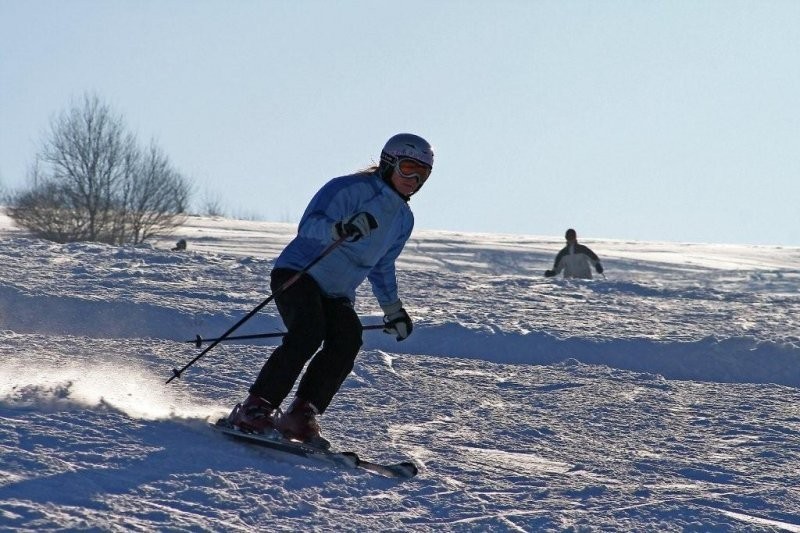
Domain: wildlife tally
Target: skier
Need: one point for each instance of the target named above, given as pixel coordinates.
(369, 208)
(575, 259)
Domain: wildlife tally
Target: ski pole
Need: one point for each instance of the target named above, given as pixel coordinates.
(177, 373)
(198, 340)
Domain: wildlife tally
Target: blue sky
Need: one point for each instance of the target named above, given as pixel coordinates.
(674, 120)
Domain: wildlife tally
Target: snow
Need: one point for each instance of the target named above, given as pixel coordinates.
(661, 398)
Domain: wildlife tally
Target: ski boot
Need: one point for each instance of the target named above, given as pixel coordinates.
(255, 415)
(299, 423)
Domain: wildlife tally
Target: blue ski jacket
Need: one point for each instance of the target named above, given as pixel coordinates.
(341, 272)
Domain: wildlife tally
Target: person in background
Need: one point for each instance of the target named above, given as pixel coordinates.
(370, 210)
(575, 259)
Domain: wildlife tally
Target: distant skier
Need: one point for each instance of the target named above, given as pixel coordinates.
(371, 206)
(575, 259)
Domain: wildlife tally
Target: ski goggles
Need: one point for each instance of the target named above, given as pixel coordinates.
(411, 168)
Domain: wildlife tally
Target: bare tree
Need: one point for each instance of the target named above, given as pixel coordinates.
(43, 208)
(92, 182)
(158, 196)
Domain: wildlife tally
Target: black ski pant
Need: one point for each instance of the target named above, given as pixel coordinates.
(312, 320)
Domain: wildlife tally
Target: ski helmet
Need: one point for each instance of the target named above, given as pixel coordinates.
(570, 235)
(407, 145)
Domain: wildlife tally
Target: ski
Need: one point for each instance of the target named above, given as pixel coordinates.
(347, 460)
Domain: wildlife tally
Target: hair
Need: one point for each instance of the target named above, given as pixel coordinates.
(370, 169)
(383, 169)
(570, 234)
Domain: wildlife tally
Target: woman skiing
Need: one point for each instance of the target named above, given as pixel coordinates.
(369, 209)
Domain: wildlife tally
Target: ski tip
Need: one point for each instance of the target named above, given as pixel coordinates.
(404, 470)
(407, 469)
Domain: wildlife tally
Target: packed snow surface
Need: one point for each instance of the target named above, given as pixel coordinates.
(664, 396)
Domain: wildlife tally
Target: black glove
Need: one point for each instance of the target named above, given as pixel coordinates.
(549, 273)
(397, 322)
(599, 268)
(357, 226)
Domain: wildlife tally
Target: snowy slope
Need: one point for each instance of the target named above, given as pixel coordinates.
(664, 397)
